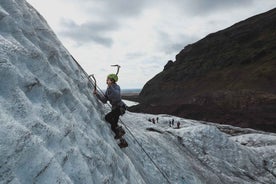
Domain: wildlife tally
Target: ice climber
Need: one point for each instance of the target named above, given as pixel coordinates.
(113, 95)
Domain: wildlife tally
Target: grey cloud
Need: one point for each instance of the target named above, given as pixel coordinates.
(125, 7)
(113, 9)
(151, 66)
(202, 7)
(172, 47)
(110, 15)
(134, 55)
(89, 32)
(135, 7)
(175, 47)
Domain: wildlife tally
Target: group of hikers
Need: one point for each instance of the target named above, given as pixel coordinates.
(171, 122)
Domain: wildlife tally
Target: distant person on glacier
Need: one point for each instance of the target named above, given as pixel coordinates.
(178, 124)
(113, 95)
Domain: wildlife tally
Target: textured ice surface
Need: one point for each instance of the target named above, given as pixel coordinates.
(52, 128)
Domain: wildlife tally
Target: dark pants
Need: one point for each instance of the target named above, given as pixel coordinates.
(113, 118)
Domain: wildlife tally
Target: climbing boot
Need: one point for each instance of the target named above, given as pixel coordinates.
(119, 132)
(123, 143)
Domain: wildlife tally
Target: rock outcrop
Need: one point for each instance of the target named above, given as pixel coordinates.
(227, 77)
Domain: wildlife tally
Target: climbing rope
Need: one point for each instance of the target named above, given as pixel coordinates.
(148, 155)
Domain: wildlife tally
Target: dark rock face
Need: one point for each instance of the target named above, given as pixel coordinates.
(227, 77)
(168, 65)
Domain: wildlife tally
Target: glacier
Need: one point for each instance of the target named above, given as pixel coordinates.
(52, 128)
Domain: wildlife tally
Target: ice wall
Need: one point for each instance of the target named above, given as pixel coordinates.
(51, 128)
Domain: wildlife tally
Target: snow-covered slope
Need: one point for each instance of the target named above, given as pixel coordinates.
(52, 128)
(51, 125)
(201, 152)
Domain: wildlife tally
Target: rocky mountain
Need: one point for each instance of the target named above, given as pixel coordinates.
(226, 77)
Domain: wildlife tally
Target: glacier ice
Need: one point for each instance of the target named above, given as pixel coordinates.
(53, 130)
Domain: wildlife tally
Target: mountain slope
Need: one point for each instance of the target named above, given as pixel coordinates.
(227, 77)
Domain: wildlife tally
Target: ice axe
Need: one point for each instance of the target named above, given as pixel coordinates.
(95, 81)
(118, 68)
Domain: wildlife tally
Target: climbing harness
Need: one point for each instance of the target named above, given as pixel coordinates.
(92, 80)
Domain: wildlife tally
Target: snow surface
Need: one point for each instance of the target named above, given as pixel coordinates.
(130, 103)
(53, 128)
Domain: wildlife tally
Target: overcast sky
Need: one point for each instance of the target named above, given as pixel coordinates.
(139, 35)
